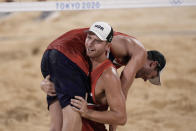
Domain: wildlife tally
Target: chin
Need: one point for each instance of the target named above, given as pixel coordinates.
(91, 55)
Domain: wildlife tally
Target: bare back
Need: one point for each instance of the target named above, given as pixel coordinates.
(129, 52)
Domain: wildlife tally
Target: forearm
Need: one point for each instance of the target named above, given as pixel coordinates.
(106, 117)
(126, 82)
(128, 74)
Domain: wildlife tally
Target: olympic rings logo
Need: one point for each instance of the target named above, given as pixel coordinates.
(176, 2)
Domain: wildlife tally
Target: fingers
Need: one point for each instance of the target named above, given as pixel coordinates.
(48, 87)
(86, 96)
(47, 80)
(75, 109)
(50, 90)
(79, 98)
(51, 93)
(76, 103)
(47, 77)
(42, 85)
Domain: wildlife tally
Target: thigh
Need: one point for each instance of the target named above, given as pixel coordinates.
(56, 116)
(71, 119)
(68, 78)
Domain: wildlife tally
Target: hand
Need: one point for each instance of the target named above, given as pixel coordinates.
(80, 105)
(48, 87)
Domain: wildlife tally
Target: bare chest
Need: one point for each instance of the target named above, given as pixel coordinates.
(100, 96)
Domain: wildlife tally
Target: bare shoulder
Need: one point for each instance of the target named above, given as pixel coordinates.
(110, 76)
(126, 40)
(126, 47)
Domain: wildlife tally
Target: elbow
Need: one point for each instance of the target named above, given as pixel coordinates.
(122, 120)
(125, 75)
(127, 78)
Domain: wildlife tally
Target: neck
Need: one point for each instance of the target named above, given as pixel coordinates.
(97, 61)
(139, 73)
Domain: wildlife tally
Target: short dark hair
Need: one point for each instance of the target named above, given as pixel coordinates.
(110, 36)
(157, 56)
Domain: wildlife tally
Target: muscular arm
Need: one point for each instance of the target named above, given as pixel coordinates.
(115, 99)
(124, 47)
(116, 102)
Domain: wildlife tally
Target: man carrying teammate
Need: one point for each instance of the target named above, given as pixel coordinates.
(125, 50)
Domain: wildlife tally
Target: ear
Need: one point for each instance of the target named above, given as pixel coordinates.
(153, 64)
(107, 47)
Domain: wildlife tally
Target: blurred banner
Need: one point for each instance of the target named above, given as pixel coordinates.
(90, 5)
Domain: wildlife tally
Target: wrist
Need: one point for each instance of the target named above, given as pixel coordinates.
(85, 114)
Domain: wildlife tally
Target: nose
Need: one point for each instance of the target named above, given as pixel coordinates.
(89, 43)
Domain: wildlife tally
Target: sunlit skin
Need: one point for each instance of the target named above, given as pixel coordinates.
(96, 48)
(108, 89)
(148, 71)
(127, 50)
